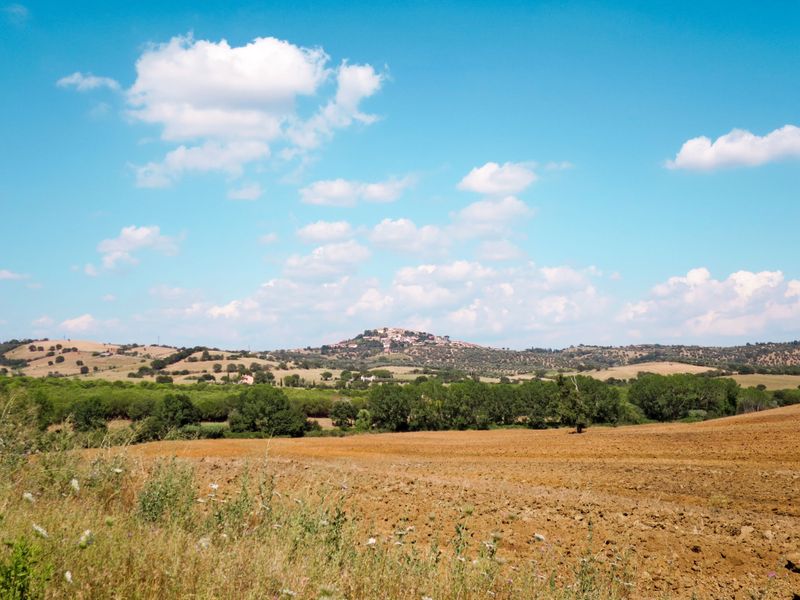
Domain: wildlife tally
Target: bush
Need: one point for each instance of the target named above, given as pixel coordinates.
(343, 413)
(21, 575)
(266, 410)
(168, 494)
(177, 410)
(88, 414)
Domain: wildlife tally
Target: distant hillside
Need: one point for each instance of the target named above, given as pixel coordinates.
(400, 348)
(390, 345)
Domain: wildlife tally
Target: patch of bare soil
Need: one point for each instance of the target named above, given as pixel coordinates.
(710, 509)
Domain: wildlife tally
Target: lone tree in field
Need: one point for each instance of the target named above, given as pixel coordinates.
(574, 408)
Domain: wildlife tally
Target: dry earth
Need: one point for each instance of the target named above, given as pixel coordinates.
(709, 509)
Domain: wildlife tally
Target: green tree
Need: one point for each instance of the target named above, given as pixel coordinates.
(88, 414)
(292, 380)
(390, 407)
(573, 406)
(267, 410)
(343, 413)
(363, 420)
(177, 410)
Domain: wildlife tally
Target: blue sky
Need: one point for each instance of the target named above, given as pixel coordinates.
(516, 174)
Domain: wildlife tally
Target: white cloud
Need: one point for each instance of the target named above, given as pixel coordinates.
(130, 240)
(79, 324)
(228, 158)
(489, 217)
(198, 88)
(166, 292)
(460, 271)
(739, 148)
(341, 192)
(562, 277)
(87, 82)
(493, 179)
(268, 238)
(108, 298)
(402, 235)
(354, 84)
(6, 275)
(43, 321)
(371, 301)
(697, 306)
(325, 231)
(327, 261)
(498, 250)
(234, 102)
(251, 191)
(17, 14)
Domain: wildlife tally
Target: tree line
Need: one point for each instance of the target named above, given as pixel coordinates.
(577, 401)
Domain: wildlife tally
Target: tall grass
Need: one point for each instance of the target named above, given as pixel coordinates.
(105, 525)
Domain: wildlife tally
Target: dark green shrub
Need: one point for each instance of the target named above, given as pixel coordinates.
(343, 413)
(88, 414)
(267, 410)
(177, 410)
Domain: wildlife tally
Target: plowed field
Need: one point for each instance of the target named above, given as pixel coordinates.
(711, 508)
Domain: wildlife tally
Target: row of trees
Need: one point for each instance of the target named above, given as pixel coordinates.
(576, 401)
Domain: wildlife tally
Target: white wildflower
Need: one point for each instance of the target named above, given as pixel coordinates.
(214, 486)
(68, 576)
(86, 539)
(40, 530)
(28, 497)
(204, 542)
(75, 485)
(371, 541)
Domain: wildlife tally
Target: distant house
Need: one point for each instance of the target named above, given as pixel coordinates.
(246, 380)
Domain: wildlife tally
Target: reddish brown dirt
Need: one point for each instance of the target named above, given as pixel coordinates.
(710, 509)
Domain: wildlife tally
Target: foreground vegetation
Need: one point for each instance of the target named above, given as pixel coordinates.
(102, 525)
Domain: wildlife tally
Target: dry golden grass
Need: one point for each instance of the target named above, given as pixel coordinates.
(772, 382)
(127, 528)
(659, 368)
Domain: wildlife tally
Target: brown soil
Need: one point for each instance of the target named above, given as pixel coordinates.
(710, 509)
